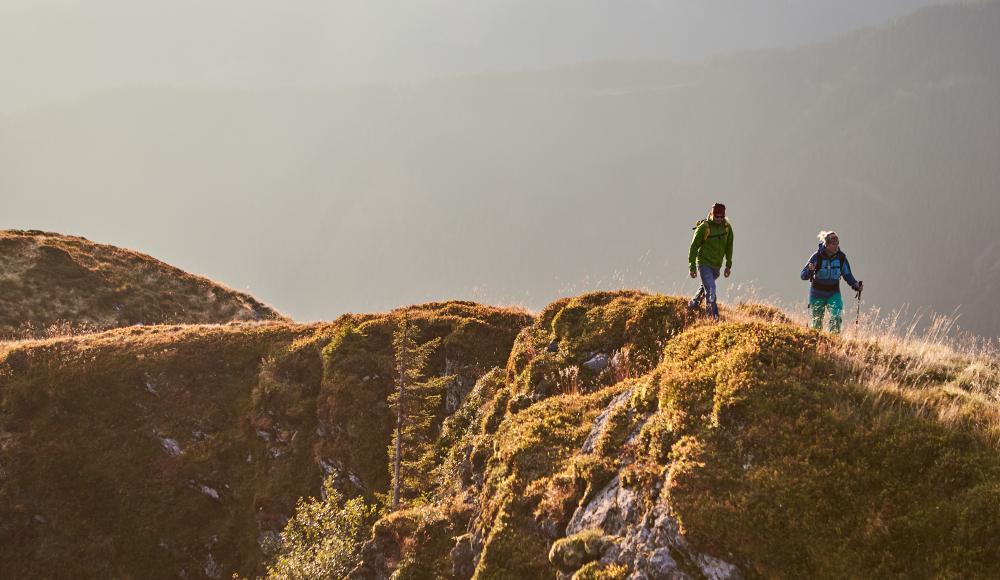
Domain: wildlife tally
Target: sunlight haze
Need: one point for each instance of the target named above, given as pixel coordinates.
(357, 156)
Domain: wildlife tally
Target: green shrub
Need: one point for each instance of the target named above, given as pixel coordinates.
(324, 538)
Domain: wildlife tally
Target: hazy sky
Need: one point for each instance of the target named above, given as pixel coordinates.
(58, 50)
(224, 137)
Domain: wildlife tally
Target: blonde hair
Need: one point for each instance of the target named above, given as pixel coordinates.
(824, 234)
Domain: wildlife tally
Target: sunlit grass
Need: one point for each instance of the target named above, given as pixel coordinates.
(920, 357)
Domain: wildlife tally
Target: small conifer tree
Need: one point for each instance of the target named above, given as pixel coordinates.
(415, 401)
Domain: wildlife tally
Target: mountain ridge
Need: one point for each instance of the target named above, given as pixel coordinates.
(610, 434)
(51, 283)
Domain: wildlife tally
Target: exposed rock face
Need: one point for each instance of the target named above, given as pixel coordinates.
(463, 558)
(648, 541)
(602, 419)
(464, 379)
(598, 362)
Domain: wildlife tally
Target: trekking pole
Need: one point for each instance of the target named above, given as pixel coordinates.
(857, 317)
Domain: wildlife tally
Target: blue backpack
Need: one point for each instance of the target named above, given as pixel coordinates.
(827, 285)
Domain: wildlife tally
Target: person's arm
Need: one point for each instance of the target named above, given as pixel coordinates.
(729, 249)
(848, 276)
(806, 272)
(696, 241)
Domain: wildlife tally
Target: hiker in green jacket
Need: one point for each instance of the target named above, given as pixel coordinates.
(712, 241)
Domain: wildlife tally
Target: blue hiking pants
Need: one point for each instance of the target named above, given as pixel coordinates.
(707, 291)
(818, 307)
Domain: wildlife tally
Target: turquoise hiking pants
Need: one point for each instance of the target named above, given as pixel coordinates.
(818, 307)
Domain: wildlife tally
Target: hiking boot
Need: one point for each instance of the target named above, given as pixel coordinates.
(694, 305)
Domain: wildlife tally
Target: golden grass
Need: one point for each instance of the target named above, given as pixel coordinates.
(952, 376)
(922, 358)
(55, 285)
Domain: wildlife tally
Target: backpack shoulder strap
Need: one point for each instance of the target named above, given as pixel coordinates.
(708, 227)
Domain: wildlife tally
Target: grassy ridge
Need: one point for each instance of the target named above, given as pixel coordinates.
(782, 451)
(773, 446)
(54, 284)
(779, 459)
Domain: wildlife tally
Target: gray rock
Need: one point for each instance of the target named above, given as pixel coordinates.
(650, 539)
(598, 362)
(344, 480)
(602, 419)
(170, 446)
(212, 568)
(610, 509)
(663, 565)
(457, 390)
(463, 564)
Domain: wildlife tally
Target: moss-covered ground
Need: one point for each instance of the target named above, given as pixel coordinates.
(776, 457)
(769, 442)
(783, 451)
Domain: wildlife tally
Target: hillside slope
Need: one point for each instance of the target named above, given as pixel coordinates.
(751, 448)
(610, 436)
(169, 451)
(50, 283)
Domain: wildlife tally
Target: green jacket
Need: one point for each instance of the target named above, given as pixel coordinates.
(710, 244)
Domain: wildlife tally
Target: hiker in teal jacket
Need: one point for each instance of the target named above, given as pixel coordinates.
(712, 242)
(824, 270)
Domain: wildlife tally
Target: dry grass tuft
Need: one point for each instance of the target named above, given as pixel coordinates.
(952, 376)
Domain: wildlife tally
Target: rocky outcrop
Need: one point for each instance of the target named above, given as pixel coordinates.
(646, 540)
